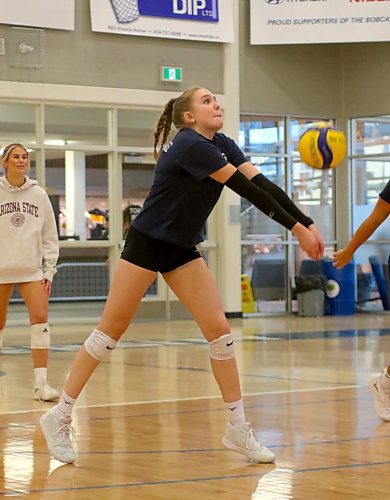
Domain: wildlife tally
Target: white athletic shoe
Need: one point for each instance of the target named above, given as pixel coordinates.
(44, 392)
(58, 432)
(244, 441)
(381, 397)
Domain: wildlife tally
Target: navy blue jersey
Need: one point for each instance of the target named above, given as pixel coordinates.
(385, 194)
(183, 194)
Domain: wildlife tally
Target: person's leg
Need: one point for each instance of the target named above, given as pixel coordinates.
(5, 295)
(128, 287)
(379, 383)
(36, 298)
(196, 289)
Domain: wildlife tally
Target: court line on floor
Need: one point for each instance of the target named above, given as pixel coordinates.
(178, 400)
(302, 444)
(195, 479)
(192, 341)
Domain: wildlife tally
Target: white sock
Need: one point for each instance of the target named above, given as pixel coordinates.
(65, 405)
(385, 380)
(1, 338)
(235, 413)
(40, 374)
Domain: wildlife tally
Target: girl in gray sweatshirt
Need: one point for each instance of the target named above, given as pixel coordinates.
(29, 253)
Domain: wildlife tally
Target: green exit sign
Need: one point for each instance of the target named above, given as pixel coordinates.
(171, 74)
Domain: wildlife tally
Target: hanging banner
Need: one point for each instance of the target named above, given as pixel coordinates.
(319, 21)
(203, 20)
(55, 14)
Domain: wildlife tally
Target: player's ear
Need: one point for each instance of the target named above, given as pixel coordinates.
(188, 118)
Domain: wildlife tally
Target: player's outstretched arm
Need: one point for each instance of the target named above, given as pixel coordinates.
(252, 173)
(261, 199)
(378, 215)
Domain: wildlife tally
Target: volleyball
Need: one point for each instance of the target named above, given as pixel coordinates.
(322, 147)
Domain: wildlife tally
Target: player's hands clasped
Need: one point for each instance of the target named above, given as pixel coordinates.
(320, 244)
(310, 241)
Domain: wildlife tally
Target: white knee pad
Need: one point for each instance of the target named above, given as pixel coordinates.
(1, 338)
(98, 345)
(40, 336)
(222, 348)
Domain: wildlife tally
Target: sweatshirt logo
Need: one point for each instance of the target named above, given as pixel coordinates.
(18, 219)
(17, 208)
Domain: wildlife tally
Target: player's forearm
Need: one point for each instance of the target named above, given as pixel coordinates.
(260, 199)
(363, 232)
(281, 197)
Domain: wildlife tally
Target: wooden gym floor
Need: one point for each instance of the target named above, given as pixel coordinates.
(150, 421)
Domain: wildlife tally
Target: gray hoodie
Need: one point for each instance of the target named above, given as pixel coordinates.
(28, 234)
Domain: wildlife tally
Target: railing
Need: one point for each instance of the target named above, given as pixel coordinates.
(77, 281)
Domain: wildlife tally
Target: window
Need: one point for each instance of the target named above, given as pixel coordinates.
(81, 155)
(75, 126)
(17, 123)
(267, 248)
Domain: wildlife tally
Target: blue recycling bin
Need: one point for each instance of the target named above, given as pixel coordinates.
(340, 289)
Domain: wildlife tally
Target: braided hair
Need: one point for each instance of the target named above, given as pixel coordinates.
(173, 112)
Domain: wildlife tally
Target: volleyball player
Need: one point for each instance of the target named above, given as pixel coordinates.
(190, 174)
(379, 383)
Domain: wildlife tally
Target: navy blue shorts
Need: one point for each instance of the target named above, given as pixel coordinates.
(155, 255)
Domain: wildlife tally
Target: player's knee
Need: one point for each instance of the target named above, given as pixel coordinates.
(222, 348)
(99, 345)
(40, 336)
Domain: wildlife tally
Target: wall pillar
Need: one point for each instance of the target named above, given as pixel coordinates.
(75, 190)
(228, 227)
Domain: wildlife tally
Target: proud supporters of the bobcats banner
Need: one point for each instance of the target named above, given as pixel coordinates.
(319, 21)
